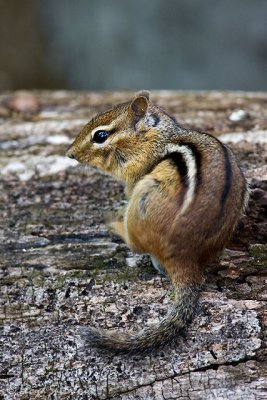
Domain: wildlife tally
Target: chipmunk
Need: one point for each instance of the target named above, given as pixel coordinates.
(185, 195)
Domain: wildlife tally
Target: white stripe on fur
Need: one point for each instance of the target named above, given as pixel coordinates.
(191, 164)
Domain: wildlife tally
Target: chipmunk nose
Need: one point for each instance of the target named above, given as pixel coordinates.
(70, 153)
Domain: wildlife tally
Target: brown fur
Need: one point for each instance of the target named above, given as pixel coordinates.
(182, 220)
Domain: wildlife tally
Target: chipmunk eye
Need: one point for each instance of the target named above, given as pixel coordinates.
(100, 136)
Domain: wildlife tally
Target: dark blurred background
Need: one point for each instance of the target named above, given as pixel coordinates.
(133, 44)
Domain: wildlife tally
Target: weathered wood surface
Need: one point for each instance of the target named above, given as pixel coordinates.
(60, 268)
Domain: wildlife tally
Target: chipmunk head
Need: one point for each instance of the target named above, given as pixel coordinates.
(121, 140)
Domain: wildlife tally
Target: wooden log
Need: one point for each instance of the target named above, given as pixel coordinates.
(60, 268)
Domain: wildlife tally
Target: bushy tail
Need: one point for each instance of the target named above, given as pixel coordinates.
(154, 336)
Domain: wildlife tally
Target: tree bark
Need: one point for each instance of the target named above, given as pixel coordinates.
(61, 269)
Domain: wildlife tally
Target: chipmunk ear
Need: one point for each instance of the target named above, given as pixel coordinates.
(143, 93)
(139, 104)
